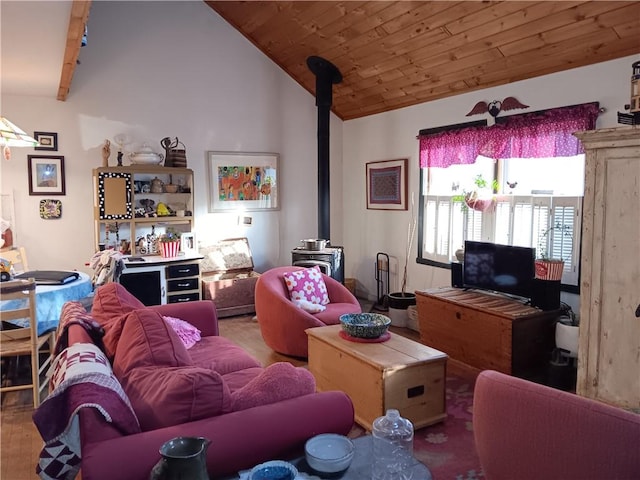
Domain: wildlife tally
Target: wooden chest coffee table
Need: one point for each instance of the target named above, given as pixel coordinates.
(398, 373)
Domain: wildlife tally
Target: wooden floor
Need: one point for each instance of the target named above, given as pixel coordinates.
(20, 442)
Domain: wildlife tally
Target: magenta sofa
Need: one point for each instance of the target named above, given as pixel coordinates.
(283, 324)
(251, 414)
(528, 431)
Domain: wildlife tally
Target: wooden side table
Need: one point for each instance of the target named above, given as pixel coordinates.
(398, 373)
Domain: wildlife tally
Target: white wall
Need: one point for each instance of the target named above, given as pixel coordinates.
(157, 69)
(393, 134)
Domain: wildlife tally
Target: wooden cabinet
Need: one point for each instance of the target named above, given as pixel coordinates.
(609, 345)
(155, 280)
(125, 204)
(183, 282)
(487, 331)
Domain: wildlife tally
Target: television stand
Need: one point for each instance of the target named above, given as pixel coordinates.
(487, 331)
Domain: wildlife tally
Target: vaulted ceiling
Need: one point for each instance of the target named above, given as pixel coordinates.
(396, 54)
(390, 54)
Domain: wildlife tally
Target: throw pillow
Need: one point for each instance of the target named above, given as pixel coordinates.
(307, 284)
(307, 306)
(148, 341)
(165, 396)
(187, 333)
(279, 381)
(111, 303)
(111, 300)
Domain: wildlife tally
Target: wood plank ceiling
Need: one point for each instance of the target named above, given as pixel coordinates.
(397, 54)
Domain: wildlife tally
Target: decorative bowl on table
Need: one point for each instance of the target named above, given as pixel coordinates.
(329, 454)
(273, 470)
(365, 325)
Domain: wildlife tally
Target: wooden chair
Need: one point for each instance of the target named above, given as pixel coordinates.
(18, 341)
(18, 258)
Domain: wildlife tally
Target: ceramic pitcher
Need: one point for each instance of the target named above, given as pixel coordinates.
(183, 458)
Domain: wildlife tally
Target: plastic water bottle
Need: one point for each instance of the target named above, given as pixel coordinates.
(392, 447)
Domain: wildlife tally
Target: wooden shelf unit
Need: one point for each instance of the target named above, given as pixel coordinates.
(116, 199)
(487, 331)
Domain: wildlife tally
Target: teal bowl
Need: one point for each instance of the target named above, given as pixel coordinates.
(365, 325)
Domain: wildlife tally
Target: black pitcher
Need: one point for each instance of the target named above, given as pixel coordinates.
(183, 458)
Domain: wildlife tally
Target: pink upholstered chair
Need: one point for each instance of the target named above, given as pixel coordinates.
(528, 431)
(283, 324)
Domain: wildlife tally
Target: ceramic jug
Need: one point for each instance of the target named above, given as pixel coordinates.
(157, 185)
(183, 458)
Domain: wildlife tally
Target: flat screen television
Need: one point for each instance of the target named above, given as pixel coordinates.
(500, 268)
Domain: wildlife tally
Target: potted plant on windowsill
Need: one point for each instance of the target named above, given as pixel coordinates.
(547, 267)
(169, 243)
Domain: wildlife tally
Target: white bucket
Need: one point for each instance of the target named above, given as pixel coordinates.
(399, 317)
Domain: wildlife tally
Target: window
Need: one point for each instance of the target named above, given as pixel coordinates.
(548, 222)
(530, 199)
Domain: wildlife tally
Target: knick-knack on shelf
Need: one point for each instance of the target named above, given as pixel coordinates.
(106, 151)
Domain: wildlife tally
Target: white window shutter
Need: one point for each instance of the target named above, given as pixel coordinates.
(551, 225)
(429, 232)
(564, 236)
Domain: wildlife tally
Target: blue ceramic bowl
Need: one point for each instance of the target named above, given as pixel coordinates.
(365, 325)
(273, 470)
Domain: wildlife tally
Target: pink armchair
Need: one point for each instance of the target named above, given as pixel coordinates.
(529, 431)
(283, 324)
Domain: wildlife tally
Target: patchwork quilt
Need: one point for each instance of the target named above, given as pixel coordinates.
(81, 378)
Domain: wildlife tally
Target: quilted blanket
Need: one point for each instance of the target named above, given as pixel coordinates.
(82, 378)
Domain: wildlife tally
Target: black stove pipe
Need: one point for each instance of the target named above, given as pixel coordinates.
(326, 75)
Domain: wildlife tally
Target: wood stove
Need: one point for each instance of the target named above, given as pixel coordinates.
(330, 260)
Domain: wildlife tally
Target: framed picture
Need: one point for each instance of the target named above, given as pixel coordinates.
(50, 209)
(188, 242)
(47, 141)
(243, 181)
(46, 175)
(387, 185)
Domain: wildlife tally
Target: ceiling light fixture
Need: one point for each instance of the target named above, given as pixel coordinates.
(13, 136)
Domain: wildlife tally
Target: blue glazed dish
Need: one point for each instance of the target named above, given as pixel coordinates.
(273, 470)
(365, 325)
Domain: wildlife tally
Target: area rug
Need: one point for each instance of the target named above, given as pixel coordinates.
(448, 447)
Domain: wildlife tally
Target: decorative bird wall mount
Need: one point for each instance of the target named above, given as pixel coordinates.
(497, 106)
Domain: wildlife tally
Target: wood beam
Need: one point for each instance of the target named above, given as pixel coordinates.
(77, 22)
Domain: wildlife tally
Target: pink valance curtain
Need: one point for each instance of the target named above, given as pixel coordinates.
(536, 135)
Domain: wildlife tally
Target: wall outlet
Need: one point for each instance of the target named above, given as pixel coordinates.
(245, 221)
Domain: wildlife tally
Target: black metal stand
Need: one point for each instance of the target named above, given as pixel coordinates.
(382, 266)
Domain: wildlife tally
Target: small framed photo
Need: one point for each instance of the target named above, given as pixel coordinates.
(387, 185)
(47, 141)
(188, 243)
(46, 175)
